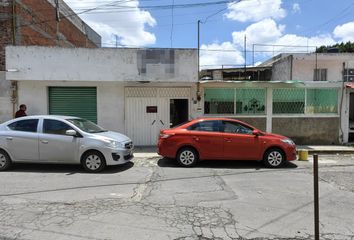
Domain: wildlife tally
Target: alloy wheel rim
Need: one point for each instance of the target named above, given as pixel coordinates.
(187, 157)
(93, 162)
(2, 160)
(275, 158)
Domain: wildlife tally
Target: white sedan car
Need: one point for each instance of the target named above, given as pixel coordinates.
(62, 139)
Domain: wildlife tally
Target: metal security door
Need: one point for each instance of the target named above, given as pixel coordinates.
(147, 111)
(141, 124)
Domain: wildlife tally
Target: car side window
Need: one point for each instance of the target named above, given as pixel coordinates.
(29, 125)
(235, 127)
(205, 126)
(55, 127)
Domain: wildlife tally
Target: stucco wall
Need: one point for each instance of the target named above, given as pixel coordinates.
(314, 131)
(110, 99)
(281, 70)
(117, 65)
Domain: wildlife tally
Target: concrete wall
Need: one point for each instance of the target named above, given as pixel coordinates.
(117, 65)
(308, 130)
(110, 99)
(281, 70)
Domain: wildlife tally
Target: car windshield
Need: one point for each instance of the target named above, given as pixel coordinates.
(86, 125)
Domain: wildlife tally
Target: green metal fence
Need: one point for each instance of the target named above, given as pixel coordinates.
(252, 101)
(234, 101)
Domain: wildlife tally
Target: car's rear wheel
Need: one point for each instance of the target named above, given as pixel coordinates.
(187, 157)
(93, 161)
(274, 158)
(5, 160)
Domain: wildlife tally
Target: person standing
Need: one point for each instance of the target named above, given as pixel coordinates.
(21, 112)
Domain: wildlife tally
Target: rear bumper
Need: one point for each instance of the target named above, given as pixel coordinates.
(166, 149)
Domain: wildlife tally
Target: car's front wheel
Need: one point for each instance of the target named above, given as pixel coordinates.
(5, 160)
(274, 158)
(187, 157)
(93, 161)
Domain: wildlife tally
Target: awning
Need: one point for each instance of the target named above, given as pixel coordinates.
(255, 83)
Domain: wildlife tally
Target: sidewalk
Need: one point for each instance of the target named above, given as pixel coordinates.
(326, 149)
(149, 152)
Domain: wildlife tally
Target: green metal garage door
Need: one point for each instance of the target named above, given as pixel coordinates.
(74, 101)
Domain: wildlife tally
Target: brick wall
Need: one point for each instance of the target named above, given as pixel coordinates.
(5, 29)
(36, 24)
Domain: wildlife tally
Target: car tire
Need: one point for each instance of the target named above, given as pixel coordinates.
(5, 160)
(274, 158)
(187, 157)
(93, 161)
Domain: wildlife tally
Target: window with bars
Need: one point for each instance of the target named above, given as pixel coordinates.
(321, 101)
(320, 74)
(234, 101)
(287, 101)
(309, 101)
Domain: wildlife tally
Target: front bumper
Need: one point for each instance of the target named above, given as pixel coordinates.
(118, 156)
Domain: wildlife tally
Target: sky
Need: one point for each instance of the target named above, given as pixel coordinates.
(268, 27)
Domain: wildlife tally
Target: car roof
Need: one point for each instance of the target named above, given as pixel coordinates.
(214, 119)
(58, 117)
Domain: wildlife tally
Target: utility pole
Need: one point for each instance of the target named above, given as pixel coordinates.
(245, 56)
(198, 97)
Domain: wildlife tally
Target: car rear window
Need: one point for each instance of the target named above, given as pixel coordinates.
(29, 125)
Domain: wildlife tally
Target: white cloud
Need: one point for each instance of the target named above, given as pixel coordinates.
(296, 8)
(345, 32)
(129, 26)
(215, 55)
(264, 32)
(255, 10)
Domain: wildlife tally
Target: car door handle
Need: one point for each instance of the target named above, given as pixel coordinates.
(228, 139)
(196, 138)
(9, 138)
(44, 141)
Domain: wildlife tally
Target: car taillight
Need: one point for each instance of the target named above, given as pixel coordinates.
(164, 135)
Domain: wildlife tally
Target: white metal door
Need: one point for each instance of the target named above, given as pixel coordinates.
(139, 123)
(143, 126)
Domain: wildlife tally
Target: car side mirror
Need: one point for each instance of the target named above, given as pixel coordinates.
(71, 133)
(256, 132)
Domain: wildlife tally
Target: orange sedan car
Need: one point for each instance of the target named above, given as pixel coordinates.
(223, 138)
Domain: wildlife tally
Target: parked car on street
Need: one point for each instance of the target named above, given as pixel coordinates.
(223, 138)
(62, 139)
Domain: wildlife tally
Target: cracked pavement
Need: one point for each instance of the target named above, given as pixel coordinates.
(153, 198)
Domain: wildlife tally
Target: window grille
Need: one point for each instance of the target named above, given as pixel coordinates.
(320, 74)
(219, 101)
(288, 101)
(322, 101)
(250, 101)
(234, 101)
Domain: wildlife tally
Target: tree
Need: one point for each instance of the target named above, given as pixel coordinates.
(347, 47)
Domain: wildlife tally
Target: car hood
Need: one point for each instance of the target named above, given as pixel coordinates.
(112, 136)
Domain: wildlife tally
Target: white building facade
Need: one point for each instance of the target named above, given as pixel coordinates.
(132, 91)
(307, 99)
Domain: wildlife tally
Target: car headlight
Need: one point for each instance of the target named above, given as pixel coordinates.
(288, 141)
(114, 144)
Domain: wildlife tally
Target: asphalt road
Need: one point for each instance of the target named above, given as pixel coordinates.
(153, 198)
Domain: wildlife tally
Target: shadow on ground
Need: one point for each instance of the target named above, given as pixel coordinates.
(65, 168)
(222, 164)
